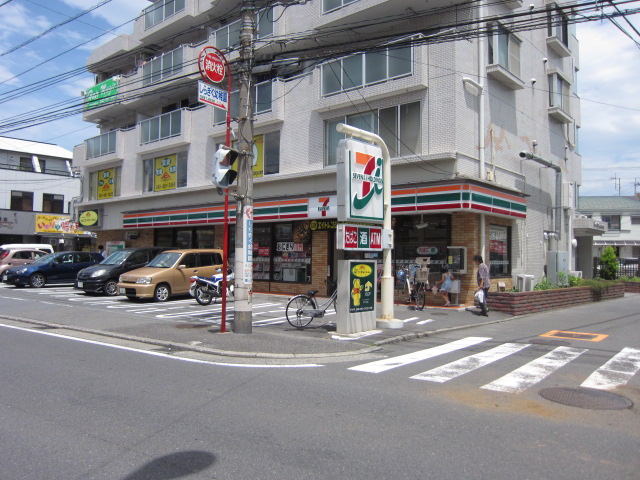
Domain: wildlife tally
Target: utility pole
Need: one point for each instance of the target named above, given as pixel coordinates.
(616, 182)
(243, 315)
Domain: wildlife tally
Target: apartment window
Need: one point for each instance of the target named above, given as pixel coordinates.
(271, 153)
(263, 94)
(612, 221)
(227, 36)
(499, 251)
(265, 22)
(105, 183)
(504, 49)
(165, 173)
(635, 220)
(366, 69)
(558, 25)
(101, 145)
(163, 66)
(22, 201)
(52, 203)
(399, 126)
(331, 5)
(161, 127)
(26, 164)
(161, 10)
(559, 93)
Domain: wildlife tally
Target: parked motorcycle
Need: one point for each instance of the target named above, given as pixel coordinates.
(206, 289)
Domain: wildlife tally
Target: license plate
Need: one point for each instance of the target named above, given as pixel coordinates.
(80, 284)
(122, 291)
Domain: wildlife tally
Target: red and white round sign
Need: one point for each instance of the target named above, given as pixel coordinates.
(211, 65)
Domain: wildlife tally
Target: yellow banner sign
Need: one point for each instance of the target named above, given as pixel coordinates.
(106, 183)
(56, 224)
(166, 173)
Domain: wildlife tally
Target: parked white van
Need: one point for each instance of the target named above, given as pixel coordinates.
(45, 247)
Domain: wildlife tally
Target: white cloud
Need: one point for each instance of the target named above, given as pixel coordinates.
(115, 12)
(610, 109)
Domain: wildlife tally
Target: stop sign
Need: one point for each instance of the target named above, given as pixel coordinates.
(211, 65)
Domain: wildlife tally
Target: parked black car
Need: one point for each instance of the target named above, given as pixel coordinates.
(103, 277)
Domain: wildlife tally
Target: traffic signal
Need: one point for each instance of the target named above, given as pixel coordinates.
(223, 175)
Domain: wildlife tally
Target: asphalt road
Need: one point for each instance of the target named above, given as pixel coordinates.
(73, 409)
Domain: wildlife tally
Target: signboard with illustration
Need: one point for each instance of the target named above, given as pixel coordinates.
(357, 281)
(165, 174)
(57, 224)
(106, 183)
(360, 182)
(89, 218)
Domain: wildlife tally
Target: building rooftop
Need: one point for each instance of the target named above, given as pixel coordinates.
(613, 204)
(34, 148)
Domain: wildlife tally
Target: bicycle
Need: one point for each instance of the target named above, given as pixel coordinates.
(303, 308)
(417, 290)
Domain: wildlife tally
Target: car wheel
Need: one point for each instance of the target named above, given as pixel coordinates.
(37, 280)
(110, 288)
(162, 293)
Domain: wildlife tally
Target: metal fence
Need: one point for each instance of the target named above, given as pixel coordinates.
(627, 267)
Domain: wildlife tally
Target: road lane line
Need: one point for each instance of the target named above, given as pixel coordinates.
(388, 363)
(468, 364)
(535, 371)
(616, 372)
(155, 354)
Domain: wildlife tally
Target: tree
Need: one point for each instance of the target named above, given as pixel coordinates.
(608, 264)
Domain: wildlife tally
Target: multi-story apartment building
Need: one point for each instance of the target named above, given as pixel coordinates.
(456, 92)
(37, 192)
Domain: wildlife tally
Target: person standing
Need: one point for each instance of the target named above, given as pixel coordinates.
(445, 286)
(484, 283)
(102, 251)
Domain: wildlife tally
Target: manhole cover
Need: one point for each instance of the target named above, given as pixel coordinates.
(586, 398)
(553, 343)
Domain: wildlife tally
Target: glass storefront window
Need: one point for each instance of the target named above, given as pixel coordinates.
(282, 252)
(419, 236)
(499, 252)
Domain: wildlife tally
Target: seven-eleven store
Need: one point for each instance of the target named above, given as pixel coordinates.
(294, 239)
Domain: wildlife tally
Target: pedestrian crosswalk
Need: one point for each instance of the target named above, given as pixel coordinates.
(617, 371)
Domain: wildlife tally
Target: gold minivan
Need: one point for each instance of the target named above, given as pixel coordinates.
(168, 273)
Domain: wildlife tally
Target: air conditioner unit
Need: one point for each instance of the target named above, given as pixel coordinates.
(524, 283)
(575, 273)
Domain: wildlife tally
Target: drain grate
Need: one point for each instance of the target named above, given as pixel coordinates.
(586, 398)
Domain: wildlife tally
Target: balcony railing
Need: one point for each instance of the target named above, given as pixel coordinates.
(48, 171)
(101, 145)
(161, 127)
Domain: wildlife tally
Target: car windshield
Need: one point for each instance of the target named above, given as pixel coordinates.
(116, 258)
(164, 260)
(46, 259)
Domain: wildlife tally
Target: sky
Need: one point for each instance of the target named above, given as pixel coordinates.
(608, 83)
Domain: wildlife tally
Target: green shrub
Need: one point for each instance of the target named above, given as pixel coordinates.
(575, 281)
(544, 284)
(608, 264)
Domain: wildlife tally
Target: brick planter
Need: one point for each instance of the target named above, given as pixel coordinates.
(521, 303)
(632, 287)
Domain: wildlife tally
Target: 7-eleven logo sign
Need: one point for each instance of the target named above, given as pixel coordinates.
(360, 182)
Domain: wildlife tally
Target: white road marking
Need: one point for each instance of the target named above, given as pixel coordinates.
(388, 363)
(411, 319)
(535, 371)
(422, 322)
(616, 372)
(356, 336)
(155, 354)
(465, 365)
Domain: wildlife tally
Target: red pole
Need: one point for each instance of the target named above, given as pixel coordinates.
(225, 246)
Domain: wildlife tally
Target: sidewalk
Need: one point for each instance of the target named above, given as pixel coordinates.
(276, 340)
